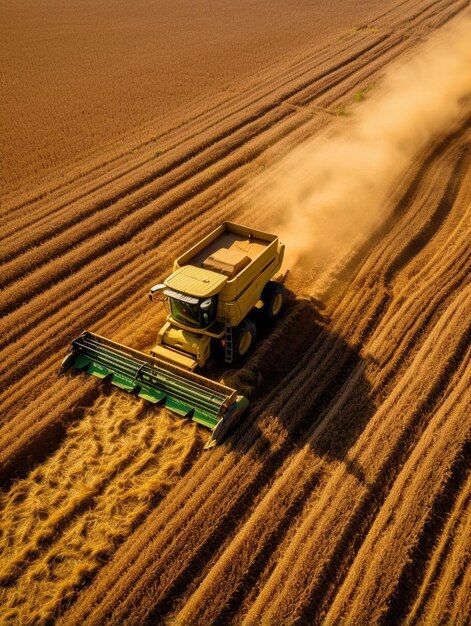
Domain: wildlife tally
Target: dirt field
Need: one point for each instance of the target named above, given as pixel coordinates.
(345, 496)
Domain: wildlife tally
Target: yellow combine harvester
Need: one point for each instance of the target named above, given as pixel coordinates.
(219, 290)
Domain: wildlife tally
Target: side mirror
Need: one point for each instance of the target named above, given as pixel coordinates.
(155, 289)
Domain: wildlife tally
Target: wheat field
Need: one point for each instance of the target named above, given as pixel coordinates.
(344, 495)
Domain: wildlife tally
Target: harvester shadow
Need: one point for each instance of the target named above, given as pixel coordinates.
(325, 407)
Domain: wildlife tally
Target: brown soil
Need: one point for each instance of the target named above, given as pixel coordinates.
(344, 497)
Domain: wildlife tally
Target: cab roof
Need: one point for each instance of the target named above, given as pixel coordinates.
(196, 281)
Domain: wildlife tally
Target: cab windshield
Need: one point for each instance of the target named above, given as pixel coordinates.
(190, 311)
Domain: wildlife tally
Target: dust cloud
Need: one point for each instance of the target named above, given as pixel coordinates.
(332, 193)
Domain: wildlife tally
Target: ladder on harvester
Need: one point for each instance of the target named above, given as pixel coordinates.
(229, 346)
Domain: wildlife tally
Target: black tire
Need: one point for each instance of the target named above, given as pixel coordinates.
(274, 301)
(244, 337)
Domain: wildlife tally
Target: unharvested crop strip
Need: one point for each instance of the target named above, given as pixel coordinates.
(262, 101)
(245, 109)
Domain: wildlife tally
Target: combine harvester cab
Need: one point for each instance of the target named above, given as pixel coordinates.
(215, 290)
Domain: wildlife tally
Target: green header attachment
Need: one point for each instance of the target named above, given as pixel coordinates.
(185, 393)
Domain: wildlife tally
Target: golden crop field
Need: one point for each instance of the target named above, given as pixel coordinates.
(131, 130)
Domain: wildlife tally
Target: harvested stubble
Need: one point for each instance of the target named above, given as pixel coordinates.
(59, 525)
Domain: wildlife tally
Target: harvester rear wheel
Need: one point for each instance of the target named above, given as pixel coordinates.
(274, 298)
(243, 336)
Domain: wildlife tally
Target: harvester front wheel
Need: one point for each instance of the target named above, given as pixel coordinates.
(243, 337)
(274, 298)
